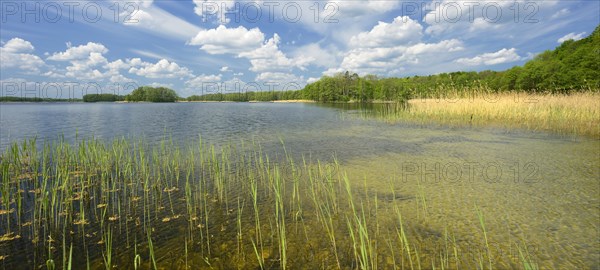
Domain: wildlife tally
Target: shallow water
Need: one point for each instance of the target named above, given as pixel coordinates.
(535, 191)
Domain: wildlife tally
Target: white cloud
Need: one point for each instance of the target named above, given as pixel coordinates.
(158, 21)
(371, 53)
(499, 57)
(200, 81)
(79, 52)
(162, 69)
(281, 80)
(312, 80)
(157, 84)
(87, 68)
(17, 45)
(225, 69)
(561, 13)
(269, 58)
(340, 19)
(222, 40)
(118, 64)
(572, 36)
(86, 62)
(363, 7)
(402, 30)
(15, 54)
(393, 61)
(475, 17)
(114, 71)
(264, 56)
(151, 54)
(327, 56)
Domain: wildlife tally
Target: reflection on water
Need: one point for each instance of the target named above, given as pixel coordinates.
(536, 194)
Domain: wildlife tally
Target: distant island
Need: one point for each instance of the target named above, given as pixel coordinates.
(141, 94)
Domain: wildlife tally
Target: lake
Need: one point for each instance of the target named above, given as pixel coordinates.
(507, 198)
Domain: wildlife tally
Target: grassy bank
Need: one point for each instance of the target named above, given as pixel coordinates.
(578, 113)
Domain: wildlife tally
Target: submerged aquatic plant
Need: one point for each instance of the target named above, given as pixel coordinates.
(310, 214)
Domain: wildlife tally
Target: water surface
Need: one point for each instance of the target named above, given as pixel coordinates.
(537, 189)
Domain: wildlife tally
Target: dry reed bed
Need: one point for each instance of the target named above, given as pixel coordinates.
(577, 113)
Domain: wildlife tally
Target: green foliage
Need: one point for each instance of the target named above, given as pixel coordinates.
(35, 99)
(344, 87)
(152, 94)
(102, 98)
(250, 96)
(572, 66)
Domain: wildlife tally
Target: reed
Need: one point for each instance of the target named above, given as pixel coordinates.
(96, 191)
(577, 113)
(487, 246)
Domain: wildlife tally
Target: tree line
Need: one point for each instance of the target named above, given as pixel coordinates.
(250, 96)
(36, 99)
(102, 98)
(152, 94)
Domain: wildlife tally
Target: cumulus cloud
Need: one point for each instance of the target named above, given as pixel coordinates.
(354, 16)
(395, 60)
(16, 54)
(161, 69)
(571, 36)
(402, 30)
(269, 58)
(87, 68)
(78, 52)
(157, 84)
(327, 56)
(202, 80)
(264, 55)
(370, 53)
(17, 45)
(499, 57)
(282, 80)
(86, 62)
(222, 40)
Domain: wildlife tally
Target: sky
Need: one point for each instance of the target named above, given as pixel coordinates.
(64, 49)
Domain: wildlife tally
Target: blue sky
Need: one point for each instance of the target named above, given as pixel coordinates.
(66, 49)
